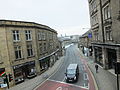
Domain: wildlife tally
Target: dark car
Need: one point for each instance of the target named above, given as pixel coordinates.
(72, 73)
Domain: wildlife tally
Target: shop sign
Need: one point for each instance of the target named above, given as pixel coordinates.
(17, 66)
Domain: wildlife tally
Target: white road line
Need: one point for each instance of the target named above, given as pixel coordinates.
(63, 79)
(68, 83)
(86, 85)
(85, 75)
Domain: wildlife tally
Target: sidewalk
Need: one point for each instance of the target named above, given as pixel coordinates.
(33, 83)
(104, 79)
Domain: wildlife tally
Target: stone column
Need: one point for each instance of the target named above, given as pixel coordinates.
(94, 54)
(104, 57)
(37, 65)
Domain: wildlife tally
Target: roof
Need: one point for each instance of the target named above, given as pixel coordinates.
(72, 66)
(14, 23)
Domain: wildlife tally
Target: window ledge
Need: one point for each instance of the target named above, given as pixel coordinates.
(19, 59)
(30, 56)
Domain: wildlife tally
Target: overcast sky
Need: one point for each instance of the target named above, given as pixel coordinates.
(65, 16)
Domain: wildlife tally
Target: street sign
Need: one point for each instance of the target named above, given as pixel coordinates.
(90, 35)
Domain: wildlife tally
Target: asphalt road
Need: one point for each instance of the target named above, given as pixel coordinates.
(72, 56)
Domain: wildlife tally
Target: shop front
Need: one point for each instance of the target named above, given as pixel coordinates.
(107, 54)
(98, 55)
(44, 63)
(112, 58)
(24, 71)
(29, 69)
(18, 73)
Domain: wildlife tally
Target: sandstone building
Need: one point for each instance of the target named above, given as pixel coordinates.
(26, 49)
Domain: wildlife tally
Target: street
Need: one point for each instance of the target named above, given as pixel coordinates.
(57, 80)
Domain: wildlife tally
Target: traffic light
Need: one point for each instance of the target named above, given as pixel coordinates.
(10, 77)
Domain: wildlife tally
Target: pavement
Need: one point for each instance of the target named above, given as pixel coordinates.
(105, 79)
(31, 84)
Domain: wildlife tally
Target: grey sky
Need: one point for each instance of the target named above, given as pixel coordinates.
(65, 16)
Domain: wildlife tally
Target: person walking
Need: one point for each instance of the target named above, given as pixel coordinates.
(96, 67)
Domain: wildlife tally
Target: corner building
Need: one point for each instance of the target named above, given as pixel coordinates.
(26, 49)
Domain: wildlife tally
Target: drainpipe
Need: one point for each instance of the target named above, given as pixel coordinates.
(102, 21)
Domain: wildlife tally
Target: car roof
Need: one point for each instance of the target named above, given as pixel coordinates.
(72, 66)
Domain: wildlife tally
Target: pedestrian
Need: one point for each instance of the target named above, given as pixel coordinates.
(96, 67)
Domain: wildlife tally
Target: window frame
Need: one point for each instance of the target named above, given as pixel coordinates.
(16, 35)
(28, 34)
(18, 52)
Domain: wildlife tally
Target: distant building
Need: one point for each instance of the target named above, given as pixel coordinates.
(85, 42)
(26, 49)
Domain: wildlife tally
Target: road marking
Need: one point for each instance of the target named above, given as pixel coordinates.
(59, 88)
(86, 85)
(68, 83)
(63, 79)
(85, 75)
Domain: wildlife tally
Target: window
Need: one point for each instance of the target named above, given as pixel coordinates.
(16, 35)
(93, 5)
(43, 36)
(94, 19)
(45, 48)
(29, 50)
(18, 53)
(96, 35)
(107, 12)
(28, 35)
(40, 48)
(108, 33)
(39, 36)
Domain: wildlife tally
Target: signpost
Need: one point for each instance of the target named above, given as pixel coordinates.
(117, 71)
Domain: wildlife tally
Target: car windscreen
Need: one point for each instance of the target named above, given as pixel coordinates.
(70, 71)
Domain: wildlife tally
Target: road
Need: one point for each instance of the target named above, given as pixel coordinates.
(57, 80)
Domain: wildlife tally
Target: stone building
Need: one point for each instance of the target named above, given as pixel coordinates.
(105, 24)
(85, 42)
(26, 50)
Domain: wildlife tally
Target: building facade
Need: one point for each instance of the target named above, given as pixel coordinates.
(105, 24)
(85, 43)
(26, 50)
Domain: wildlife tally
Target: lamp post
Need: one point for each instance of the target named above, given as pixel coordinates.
(117, 68)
